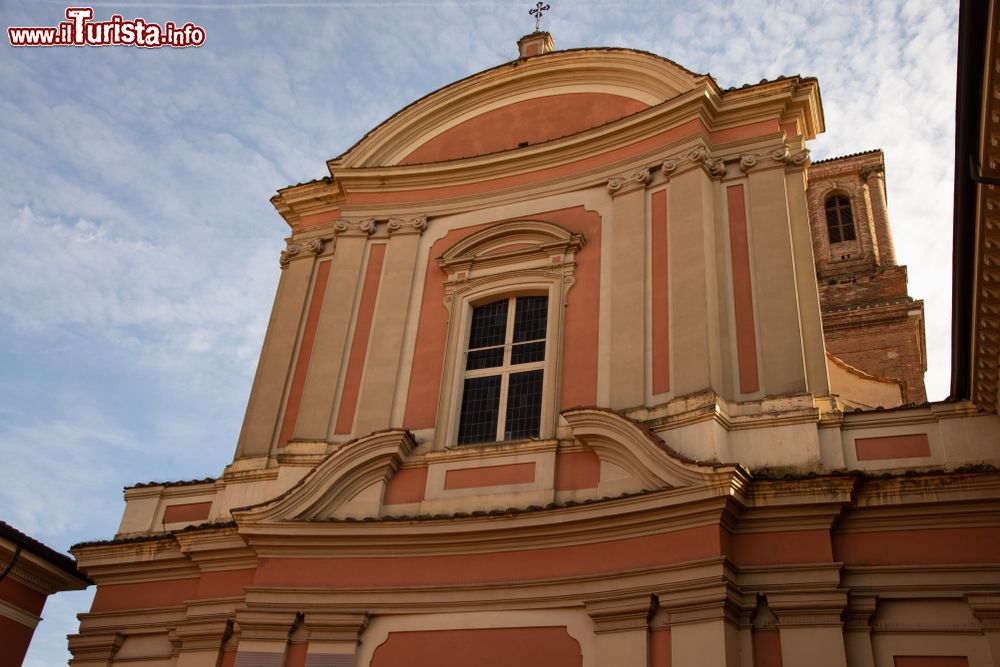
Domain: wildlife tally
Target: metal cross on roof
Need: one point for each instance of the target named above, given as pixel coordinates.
(537, 13)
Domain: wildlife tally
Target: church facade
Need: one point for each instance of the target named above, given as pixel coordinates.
(578, 361)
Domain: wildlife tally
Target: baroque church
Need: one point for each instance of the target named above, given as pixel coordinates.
(581, 362)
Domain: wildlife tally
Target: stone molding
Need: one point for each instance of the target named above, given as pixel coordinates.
(18, 615)
(629, 182)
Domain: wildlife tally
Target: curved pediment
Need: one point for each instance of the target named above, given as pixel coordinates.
(627, 445)
(511, 240)
(522, 103)
(347, 483)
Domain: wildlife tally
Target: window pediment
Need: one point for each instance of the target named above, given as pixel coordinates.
(511, 244)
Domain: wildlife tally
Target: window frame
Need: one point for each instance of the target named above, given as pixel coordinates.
(840, 225)
(505, 370)
(479, 271)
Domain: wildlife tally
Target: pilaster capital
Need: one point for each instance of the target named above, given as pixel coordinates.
(772, 157)
(718, 600)
(808, 608)
(202, 635)
(876, 173)
(715, 167)
(354, 227)
(336, 627)
(97, 647)
(639, 178)
(297, 249)
(407, 224)
(265, 624)
(859, 611)
(621, 614)
(986, 608)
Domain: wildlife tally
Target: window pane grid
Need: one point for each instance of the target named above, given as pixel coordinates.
(524, 405)
(489, 325)
(480, 408)
(530, 318)
(490, 357)
(839, 219)
(528, 352)
(504, 371)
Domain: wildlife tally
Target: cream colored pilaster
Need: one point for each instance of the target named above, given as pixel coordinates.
(628, 300)
(745, 627)
(704, 629)
(809, 623)
(814, 350)
(986, 607)
(858, 630)
(200, 642)
(329, 354)
(782, 365)
(263, 637)
(693, 284)
(378, 386)
(94, 649)
(261, 420)
(334, 637)
(621, 631)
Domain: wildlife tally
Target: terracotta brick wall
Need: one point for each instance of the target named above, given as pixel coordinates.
(869, 319)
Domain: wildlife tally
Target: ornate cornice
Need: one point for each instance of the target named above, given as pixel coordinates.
(314, 247)
(628, 182)
(315, 197)
(715, 167)
(986, 343)
(407, 225)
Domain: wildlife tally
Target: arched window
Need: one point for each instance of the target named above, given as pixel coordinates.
(504, 371)
(506, 291)
(839, 218)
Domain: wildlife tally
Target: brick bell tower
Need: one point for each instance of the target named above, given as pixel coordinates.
(870, 322)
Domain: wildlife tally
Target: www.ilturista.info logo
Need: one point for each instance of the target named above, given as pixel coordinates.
(80, 30)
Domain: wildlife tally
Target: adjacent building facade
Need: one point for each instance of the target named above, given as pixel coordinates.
(578, 362)
(29, 573)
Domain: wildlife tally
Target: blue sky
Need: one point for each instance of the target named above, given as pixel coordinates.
(139, 251)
